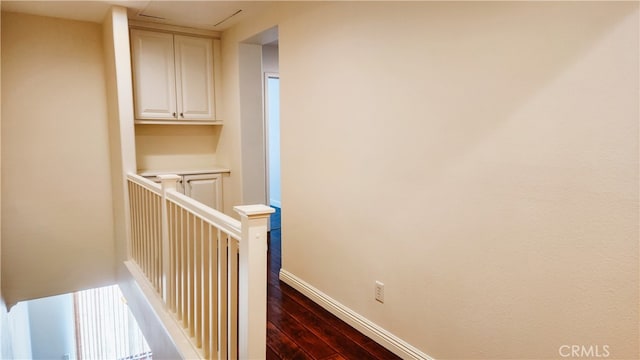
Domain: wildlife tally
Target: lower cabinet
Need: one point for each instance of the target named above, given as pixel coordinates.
(205, 188)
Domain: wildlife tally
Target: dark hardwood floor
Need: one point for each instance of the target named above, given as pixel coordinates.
(297, 328)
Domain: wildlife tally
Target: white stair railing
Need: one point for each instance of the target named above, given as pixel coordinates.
(208, 268)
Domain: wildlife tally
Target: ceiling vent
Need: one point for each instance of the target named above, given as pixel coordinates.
(228, 17)
(211, 15)
(150, 16)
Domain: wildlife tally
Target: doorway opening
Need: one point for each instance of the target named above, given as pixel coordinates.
(272, 119)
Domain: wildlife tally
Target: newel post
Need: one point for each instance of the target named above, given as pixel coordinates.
(168, 182)
(252, 287)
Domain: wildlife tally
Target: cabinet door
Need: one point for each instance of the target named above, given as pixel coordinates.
(153, 69)
(194, 78)
(206, 188)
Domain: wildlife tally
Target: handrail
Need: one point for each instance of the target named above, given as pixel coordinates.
(222, 221)
(145, 183)
(216, 218)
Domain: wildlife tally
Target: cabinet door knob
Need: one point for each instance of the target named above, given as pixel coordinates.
(174, 115)
(181, 115)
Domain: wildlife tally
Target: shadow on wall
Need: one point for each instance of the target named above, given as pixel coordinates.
(179, 147)
(488, 61)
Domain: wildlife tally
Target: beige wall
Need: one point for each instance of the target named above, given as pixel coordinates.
(56, 186)
(117, 60)
(5, 339)
(170, 147)
(479, 159)
(252, 125)
(229, 152)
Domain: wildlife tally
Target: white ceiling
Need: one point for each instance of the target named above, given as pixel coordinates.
(211, 15)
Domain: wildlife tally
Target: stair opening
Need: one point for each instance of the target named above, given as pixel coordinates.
(89, 324)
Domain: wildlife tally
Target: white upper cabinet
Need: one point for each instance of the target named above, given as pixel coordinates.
(173, 77)
(153, 75)
(194, 76)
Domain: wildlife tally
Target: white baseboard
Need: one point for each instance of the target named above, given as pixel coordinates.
(359, 322)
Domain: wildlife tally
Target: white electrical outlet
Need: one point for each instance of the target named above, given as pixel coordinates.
(379, 291)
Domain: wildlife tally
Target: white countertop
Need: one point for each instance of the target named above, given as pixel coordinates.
(192, 171)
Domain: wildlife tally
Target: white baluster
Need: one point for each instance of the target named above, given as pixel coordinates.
(168, 182)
